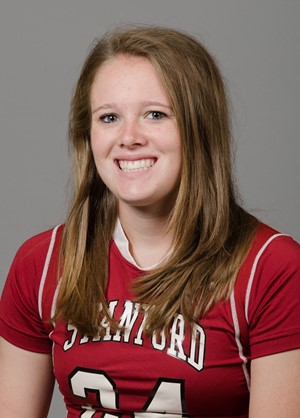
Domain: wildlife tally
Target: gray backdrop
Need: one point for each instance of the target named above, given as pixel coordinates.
(42, 47)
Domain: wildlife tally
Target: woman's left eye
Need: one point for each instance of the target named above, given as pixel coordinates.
(156, 115)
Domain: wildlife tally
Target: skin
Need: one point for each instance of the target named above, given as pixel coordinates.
(275, 386)
(26, 383)
(133, 122)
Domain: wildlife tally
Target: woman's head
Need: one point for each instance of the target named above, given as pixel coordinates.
(211, 233)
(196, 92)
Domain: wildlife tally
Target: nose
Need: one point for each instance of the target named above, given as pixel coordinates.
(132, 134)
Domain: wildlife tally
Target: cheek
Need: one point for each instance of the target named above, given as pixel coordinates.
(178, 159)
(98, 160)
(97, 147)
(94, 143)
(174, 148)
(100, 153)
(102, 143)
(94, 150)
(97, 142)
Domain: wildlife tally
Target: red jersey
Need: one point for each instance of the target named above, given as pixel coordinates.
(202, 372)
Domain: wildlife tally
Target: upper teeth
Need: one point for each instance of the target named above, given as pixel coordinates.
(137, 165)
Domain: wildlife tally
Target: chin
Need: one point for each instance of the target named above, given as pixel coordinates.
(136, 201)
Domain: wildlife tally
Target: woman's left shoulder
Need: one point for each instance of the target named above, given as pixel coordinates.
(277, 247)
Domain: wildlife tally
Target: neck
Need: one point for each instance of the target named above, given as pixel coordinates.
(149, 240)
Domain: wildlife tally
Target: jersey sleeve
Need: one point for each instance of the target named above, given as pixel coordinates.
(274, 299)
(20, 320)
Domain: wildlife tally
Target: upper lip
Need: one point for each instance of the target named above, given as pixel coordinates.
(135, 157)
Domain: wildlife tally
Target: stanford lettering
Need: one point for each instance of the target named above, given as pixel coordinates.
(133, 319)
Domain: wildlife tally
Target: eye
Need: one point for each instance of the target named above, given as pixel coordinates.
(109, 118)
(156, 115)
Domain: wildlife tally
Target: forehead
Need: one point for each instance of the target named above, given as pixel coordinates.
(122, 63)
(125, 73)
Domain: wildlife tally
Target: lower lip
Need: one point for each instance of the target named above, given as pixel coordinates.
(139, 170)
(135, 173)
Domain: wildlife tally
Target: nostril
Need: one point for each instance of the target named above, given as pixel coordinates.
(131, 144)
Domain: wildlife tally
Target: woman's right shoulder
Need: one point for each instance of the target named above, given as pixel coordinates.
(41, 241)
(36, 248)
(22, 302)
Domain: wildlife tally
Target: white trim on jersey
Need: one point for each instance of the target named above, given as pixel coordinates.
(253, 271)
(53, 306)
(122, 243)
(45, 270)
(247, 297)
(238, 339)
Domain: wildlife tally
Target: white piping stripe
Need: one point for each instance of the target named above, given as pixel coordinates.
(247, 297)
(253, 271)
(238, 340)
(45, 270)
(53, 306)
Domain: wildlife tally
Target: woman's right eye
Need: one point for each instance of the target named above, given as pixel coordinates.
(109, 118)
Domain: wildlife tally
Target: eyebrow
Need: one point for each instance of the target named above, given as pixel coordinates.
(143, 103)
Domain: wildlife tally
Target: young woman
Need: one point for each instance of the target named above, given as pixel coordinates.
(160, 294)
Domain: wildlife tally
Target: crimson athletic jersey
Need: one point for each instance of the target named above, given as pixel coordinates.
(202, 373)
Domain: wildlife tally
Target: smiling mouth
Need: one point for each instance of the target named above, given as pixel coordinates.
(137, 165)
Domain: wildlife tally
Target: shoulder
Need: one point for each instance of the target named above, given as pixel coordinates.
(39, 243)
(21, 304)
(275, 269)
(272, 247)
(33, 255)
(35, 249)
(275, 250)
(272, 302)
(271, 252)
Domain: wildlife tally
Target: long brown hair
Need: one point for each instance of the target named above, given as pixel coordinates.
(212, 231)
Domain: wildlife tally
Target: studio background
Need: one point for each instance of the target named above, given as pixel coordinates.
(42, 48)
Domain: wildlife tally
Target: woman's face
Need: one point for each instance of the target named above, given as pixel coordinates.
(134, 134)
